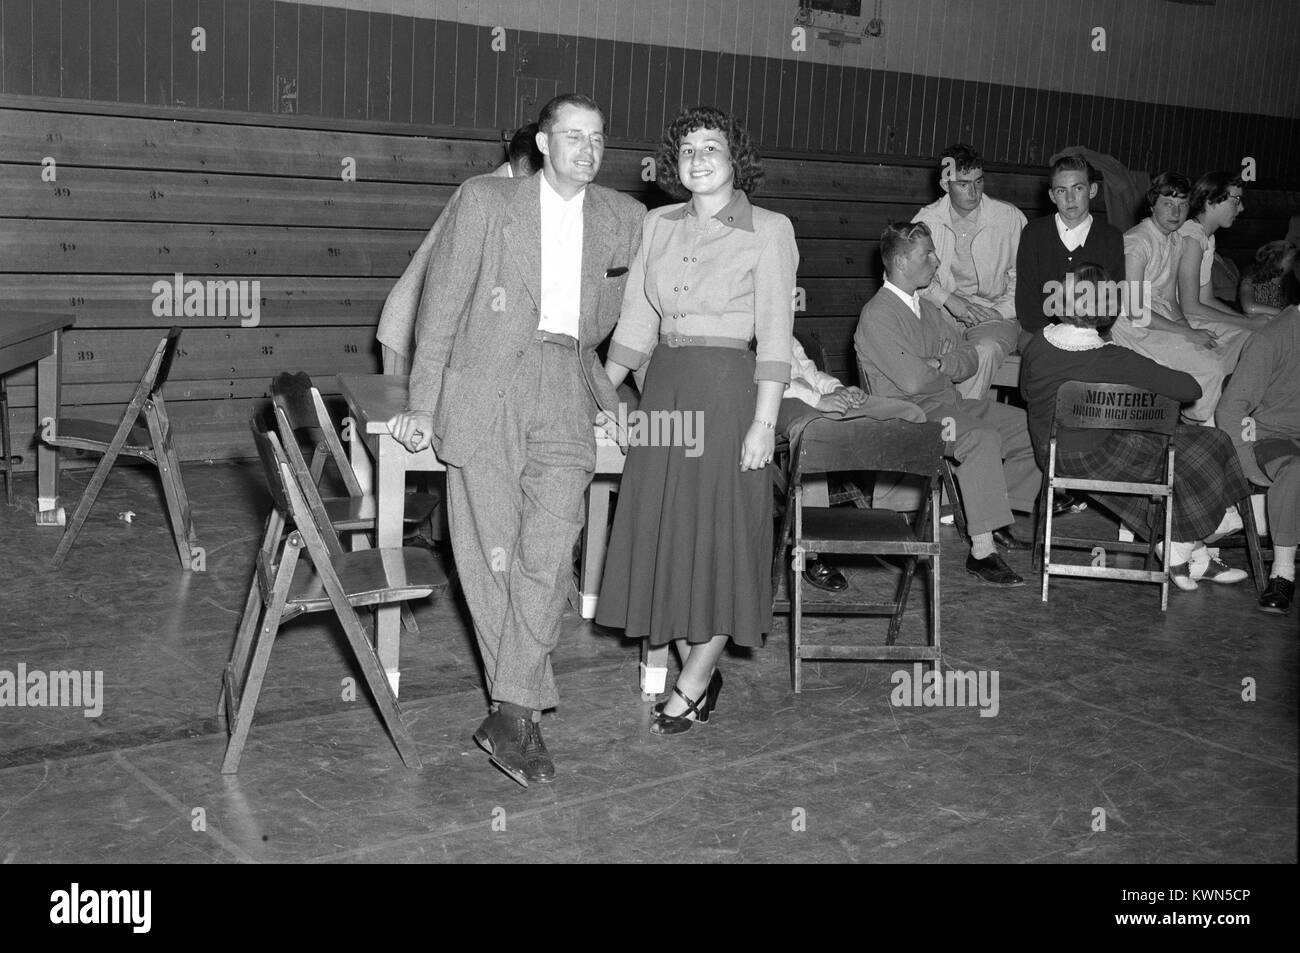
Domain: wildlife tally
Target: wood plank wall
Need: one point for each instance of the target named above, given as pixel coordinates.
(353, 59)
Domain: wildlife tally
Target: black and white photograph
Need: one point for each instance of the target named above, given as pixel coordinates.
(674, 432)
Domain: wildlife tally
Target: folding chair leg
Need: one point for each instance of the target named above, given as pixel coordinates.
(1254, 551)
(245, 700)
(1047, 541)
(958, 510)
(408, 620)
(6, 444)
(97, 481)
(377, 679)
(169, 471)
(900, 600)
(796, 627)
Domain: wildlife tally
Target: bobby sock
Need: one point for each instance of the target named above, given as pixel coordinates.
(981, 546)
(1180, 553)
(1284, 562)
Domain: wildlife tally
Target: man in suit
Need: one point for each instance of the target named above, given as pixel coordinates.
(525, 280)
(397, 320)
(909, 350)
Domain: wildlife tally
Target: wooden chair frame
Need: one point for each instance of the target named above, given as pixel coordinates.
(823, 444)
(1074, 400)
(285, 586)
(157, 449)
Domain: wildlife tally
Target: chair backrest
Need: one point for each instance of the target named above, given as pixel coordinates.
(308, 491)
(169, 346)
(290, 498)
(310, 420)
(1085, 406)
(861, 443)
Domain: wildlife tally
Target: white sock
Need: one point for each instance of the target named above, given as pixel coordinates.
(1230, 523)
(1180, 553)
(982, 546)
(1284, 562)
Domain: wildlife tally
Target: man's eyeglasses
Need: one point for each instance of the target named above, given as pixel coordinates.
(576, 137)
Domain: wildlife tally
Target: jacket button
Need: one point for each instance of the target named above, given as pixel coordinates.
(677, 289)
(685, 258)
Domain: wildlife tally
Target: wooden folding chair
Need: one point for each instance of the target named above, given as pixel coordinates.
(285, 585)
(825, 444)
(354, 513)
(1082, 406)
(152, 442)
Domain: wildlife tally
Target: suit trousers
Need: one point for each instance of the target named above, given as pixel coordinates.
(1284, 500)
(995, 470)
(515, 510)
(993, 340)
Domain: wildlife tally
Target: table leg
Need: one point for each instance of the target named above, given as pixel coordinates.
(364, 468)
(390, 500)
(593, 541)
(49, 373)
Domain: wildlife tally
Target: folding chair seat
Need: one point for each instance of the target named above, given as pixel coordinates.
(823, 444)
(1086, 406)
(307, 570)
(150, 441)
(309, 422)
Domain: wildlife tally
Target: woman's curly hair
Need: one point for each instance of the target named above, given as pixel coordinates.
(747, 167)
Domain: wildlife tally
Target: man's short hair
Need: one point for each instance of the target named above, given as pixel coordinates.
(1211, 189)
(546, 118)
(1073, 162)
(523, 146)
(1174, 184)
(899, 237)
(964, 158)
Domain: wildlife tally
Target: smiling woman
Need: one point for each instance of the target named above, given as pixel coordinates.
(692, 541)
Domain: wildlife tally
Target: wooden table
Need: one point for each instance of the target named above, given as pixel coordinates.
(381, 465)
(31, 337)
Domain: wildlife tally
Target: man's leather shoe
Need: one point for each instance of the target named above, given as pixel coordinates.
(538, 765)
(1278, 595)
(504, 738)
(993, 570)
(1007, 540)
(823, 575)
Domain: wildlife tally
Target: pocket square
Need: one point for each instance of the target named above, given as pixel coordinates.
(616, 272)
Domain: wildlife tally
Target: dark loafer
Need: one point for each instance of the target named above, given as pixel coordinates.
(993, 570)
(538, 765)
(1278, 595)
(825, 576)
(1007, 539)
(504, 737)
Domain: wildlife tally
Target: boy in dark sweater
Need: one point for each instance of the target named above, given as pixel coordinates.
(1053, 246)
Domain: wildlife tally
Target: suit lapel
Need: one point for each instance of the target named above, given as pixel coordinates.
(598, 237)
(523, 234)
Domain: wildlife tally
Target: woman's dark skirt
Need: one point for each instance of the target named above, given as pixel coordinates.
(1207, 477)
(691, 549)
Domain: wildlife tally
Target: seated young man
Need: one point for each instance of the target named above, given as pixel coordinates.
(1207, 479)
(810, 392)
(909, 350)
(976, 238)
(1055, 245)
(1260, 410)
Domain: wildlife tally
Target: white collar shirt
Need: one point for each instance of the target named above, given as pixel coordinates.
(911, 300)
(561, 280)
(1072, 238)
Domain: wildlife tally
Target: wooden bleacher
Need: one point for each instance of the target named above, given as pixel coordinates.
(144, 193)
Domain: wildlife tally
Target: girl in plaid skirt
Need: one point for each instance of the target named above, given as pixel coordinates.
(1208, 479)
